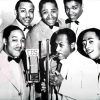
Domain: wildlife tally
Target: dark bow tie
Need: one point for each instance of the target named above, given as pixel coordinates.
(15, 59)
(97, 61)
(56, 24)
(69, 21)
(29, 28)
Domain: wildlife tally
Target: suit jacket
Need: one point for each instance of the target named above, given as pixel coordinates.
(26, 31)
(85, 22)
(41, 32)
(81, 78)
(9, 89)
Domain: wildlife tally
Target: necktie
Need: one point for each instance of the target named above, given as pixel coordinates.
(15, 59)
(69, 21)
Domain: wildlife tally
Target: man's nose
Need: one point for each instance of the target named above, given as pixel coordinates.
(57, 48)
(49, 15)
(70, 11)
(19, 44)
(27, 13)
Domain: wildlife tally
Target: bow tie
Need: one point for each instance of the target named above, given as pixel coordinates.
(97, 61)
(15, 59)
(69, 21)
(29, 28)
(56, 24)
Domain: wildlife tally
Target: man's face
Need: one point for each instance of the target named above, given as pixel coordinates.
(73, 10)
(91, 45)
(49, 13)
(15, 43)
(63, 48)
(25, 13)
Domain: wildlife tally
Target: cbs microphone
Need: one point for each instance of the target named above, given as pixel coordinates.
(33, 65)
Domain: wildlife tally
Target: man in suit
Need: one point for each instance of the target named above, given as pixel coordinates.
(78, 75)
(24, 15)
(48, 24)
(12, 80)
(24, 10)
(74, 10)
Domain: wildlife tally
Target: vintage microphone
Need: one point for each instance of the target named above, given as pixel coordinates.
(32, 70)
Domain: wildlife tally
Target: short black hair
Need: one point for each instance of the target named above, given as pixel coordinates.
(7, 31)
(18, 4)
(79, 1)
(66, 31)
(80, 38)
(42, 2)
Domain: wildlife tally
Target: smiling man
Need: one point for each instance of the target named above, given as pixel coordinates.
(89, 43)
(12, 84)
(44, 29)
(24, 10)
(78, 77)
(74, 10)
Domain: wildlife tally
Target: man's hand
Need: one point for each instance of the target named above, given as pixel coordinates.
(56, 79)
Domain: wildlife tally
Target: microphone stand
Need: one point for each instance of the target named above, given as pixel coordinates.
(32, 77)
(47, 69)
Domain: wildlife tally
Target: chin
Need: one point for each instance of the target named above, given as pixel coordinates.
(16, 55)
(50, 24)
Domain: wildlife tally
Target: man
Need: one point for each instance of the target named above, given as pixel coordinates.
(89, 42)
(78, 18)
(89, 45)
(44, 29)
(49, 23)
(12, 84)
(74, 10)
(24, 10)
(78, 77)
(24, 15)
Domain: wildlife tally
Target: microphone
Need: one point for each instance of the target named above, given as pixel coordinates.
(33, 65)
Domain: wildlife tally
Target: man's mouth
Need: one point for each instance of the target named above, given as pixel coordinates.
(17, 49)
(27, 20)
(89, 51)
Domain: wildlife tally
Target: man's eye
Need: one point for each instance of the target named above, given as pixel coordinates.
(61, 45)
(23, 40)
(54, 11)
(44, 12)
(14, 40)
(74, 8)
(91, 42)
(22, 11)
(32, 11)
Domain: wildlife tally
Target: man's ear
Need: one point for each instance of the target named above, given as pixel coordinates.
(73, 45)
(4, 41)
(15, 12)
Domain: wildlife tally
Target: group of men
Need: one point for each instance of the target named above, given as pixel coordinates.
(72, 46)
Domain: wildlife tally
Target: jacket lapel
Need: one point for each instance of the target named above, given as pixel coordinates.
(6, 71)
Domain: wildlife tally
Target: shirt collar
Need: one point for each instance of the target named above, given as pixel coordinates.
(20, 25)
(70, 56)
(56, 24)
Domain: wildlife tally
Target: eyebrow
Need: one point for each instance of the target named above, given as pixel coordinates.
(14, 36)
(88, 39)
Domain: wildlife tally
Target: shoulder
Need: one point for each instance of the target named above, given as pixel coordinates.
(78, 59)
(15, 23)
(62, 23)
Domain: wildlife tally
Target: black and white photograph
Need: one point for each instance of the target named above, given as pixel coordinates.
(49, 50)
